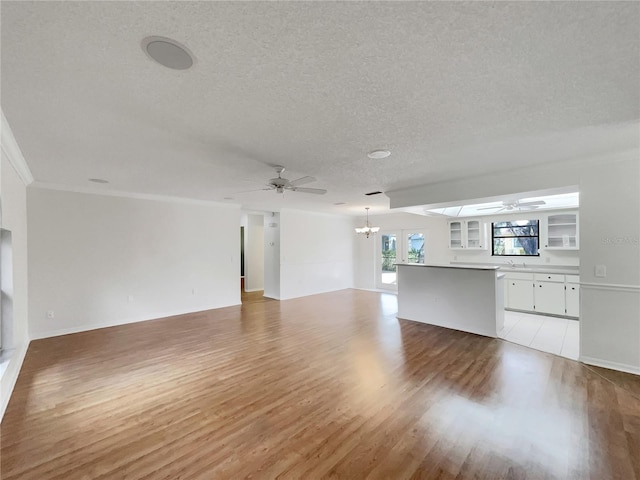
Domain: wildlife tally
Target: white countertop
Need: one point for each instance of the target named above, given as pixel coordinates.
(446, 265)
(561, 271)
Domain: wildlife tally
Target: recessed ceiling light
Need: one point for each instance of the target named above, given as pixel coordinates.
(340, 203)
(228, 198)
(378, 154)
(98, 180)
(167, 52)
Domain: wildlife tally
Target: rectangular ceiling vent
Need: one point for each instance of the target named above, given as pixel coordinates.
(373, 193)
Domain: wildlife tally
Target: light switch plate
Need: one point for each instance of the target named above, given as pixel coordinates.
(601, 271)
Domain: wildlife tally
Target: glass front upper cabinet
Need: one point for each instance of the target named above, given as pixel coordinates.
(562, 232)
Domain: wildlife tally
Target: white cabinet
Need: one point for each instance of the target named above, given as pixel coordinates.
(476, 234)
(572, 299)
(546, 293)
(519, 294)
(549, 297)
(455, 234)
(468, 234)
(562, 232)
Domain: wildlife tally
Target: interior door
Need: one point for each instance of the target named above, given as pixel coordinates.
(401, 246)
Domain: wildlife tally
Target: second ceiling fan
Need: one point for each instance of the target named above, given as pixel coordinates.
(516, 205)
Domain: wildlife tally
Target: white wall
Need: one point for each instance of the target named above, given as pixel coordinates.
(547, 257)
(316, 253)
(609, 235)
(14, 218)
(366, 249)
(254, 253)
(102, 260)
(272, 255)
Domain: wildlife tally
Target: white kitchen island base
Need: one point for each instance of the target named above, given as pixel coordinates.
(466, 298)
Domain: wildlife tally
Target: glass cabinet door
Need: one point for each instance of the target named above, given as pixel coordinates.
(473, 234)
(455, 234)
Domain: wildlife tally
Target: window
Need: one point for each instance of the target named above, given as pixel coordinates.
(518, 237)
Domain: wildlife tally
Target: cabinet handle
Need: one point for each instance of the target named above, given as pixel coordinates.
(549, 278)
(540, 286)
(573, 288)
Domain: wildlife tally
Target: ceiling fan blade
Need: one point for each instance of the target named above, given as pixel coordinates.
(317, 191)
(532, 204)
(302, 181)
(490, 208)
(254, 190)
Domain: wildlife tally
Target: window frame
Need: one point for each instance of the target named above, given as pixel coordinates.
(493, 237)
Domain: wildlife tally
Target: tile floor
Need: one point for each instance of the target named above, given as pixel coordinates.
(559, 336)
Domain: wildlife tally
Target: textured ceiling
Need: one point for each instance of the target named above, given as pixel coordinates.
(452, 89)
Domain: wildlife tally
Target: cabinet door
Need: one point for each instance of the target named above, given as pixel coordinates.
(572, 299)
(475, 237)
(455, 235)
(520, 294)
(549, 297)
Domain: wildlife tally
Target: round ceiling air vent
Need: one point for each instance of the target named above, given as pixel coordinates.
(167, 52)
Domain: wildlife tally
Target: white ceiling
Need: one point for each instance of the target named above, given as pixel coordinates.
(452, 89)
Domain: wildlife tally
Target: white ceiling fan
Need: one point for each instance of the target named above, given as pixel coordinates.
(280, 184)
(515, 205)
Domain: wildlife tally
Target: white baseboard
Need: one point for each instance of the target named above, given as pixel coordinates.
(253, 290)
(97, 326)
(622, 367)
(12, 372)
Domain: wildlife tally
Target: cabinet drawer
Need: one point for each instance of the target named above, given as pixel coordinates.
(518, 276)
(572, 278)
(548, 277)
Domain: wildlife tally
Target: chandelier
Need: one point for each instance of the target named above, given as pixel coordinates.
(367, 229)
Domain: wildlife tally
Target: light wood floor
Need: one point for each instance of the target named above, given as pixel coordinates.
(328, 386)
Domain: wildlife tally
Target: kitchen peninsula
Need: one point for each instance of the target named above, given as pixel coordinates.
(469, 298)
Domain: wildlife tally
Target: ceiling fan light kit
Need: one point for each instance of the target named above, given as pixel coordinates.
(367, 230)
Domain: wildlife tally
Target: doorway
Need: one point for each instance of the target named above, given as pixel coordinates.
(397, 246)
(242, 259)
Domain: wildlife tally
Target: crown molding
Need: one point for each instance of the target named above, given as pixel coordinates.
(11, 149)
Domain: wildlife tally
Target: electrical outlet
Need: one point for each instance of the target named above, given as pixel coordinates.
(130, 298)
(601, 271)
(193, 291)
(50, 314)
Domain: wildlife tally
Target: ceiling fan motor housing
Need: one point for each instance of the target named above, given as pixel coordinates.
(279, 182)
